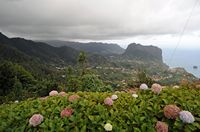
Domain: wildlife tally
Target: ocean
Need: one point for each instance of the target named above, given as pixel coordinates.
(183, 58)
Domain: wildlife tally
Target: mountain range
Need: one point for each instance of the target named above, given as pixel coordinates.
(44, 52)
(50, 54)
(134, 51)
(47, 57)
(93, 47)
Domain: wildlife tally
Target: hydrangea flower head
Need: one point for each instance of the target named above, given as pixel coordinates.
(108, 127)
(135, 95)
(53, 93)
(156, 88)
(176, 86)
(114, 97)
(117, 91)
(73, 97)
(186, 117)
(67, 112)
(62, 93)
(171, 111)
(108, 101)
(161, 127)
(43, 98)
(144, 86)
(35, 120)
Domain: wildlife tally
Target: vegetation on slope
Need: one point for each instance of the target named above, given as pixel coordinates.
(91, 114)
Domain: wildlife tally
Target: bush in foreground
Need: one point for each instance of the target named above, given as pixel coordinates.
(90, 113)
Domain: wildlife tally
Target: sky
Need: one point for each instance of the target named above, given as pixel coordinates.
(164, 23)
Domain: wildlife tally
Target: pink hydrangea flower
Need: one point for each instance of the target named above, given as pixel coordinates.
(108, 101)
(67, 112)
(171, 111)
(53, 93)
(62, 93)
(161, 127)
(156, 88)
(114, 97)
(186, 117)
(143, 86)
(73, 97)
(35, 120)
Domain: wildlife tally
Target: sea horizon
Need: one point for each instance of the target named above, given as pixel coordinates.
(185, 58)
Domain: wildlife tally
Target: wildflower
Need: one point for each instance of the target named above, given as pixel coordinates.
(114, 97)
(35, 120)
(143, 86)
(171, 111)
(73, 97)
(53, 93)
(186, 117)
(67, 112)
(108, 101)
(161, 127)
(135, 95)
(16, 101)
(108, 127)
(62, 94)
(156, 88)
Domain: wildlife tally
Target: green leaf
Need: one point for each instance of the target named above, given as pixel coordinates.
(83, 129)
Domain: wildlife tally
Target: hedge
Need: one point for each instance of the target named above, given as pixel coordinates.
(91, 114)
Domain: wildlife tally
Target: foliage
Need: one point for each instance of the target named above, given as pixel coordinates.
(87, 82)
(82, 62)
(144, 78)
(91, 114)
(91, 83)
(82, 80)
(16, 83)
(12, 75)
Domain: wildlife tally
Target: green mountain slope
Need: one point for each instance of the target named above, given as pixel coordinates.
(15, 48)
(93, 47)
(140, 52)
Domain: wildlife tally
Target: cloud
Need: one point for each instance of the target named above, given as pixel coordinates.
(97, 19)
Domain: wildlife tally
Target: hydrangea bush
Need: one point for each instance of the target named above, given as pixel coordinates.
(90, 113)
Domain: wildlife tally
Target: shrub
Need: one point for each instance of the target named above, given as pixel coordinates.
(91, 82)
(91, 114)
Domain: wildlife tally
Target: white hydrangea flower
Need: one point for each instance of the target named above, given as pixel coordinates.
(114, 97)
(108, 127)
(176, 86)
(53, 93)
(186, 117)
(135, 95)
(143, 86)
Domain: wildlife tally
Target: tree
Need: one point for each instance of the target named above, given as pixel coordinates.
(14, 79)
(142, 77)
(82, 62)
(91, 82)
(7, 77)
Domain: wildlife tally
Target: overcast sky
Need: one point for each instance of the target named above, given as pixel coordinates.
(149, 22)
